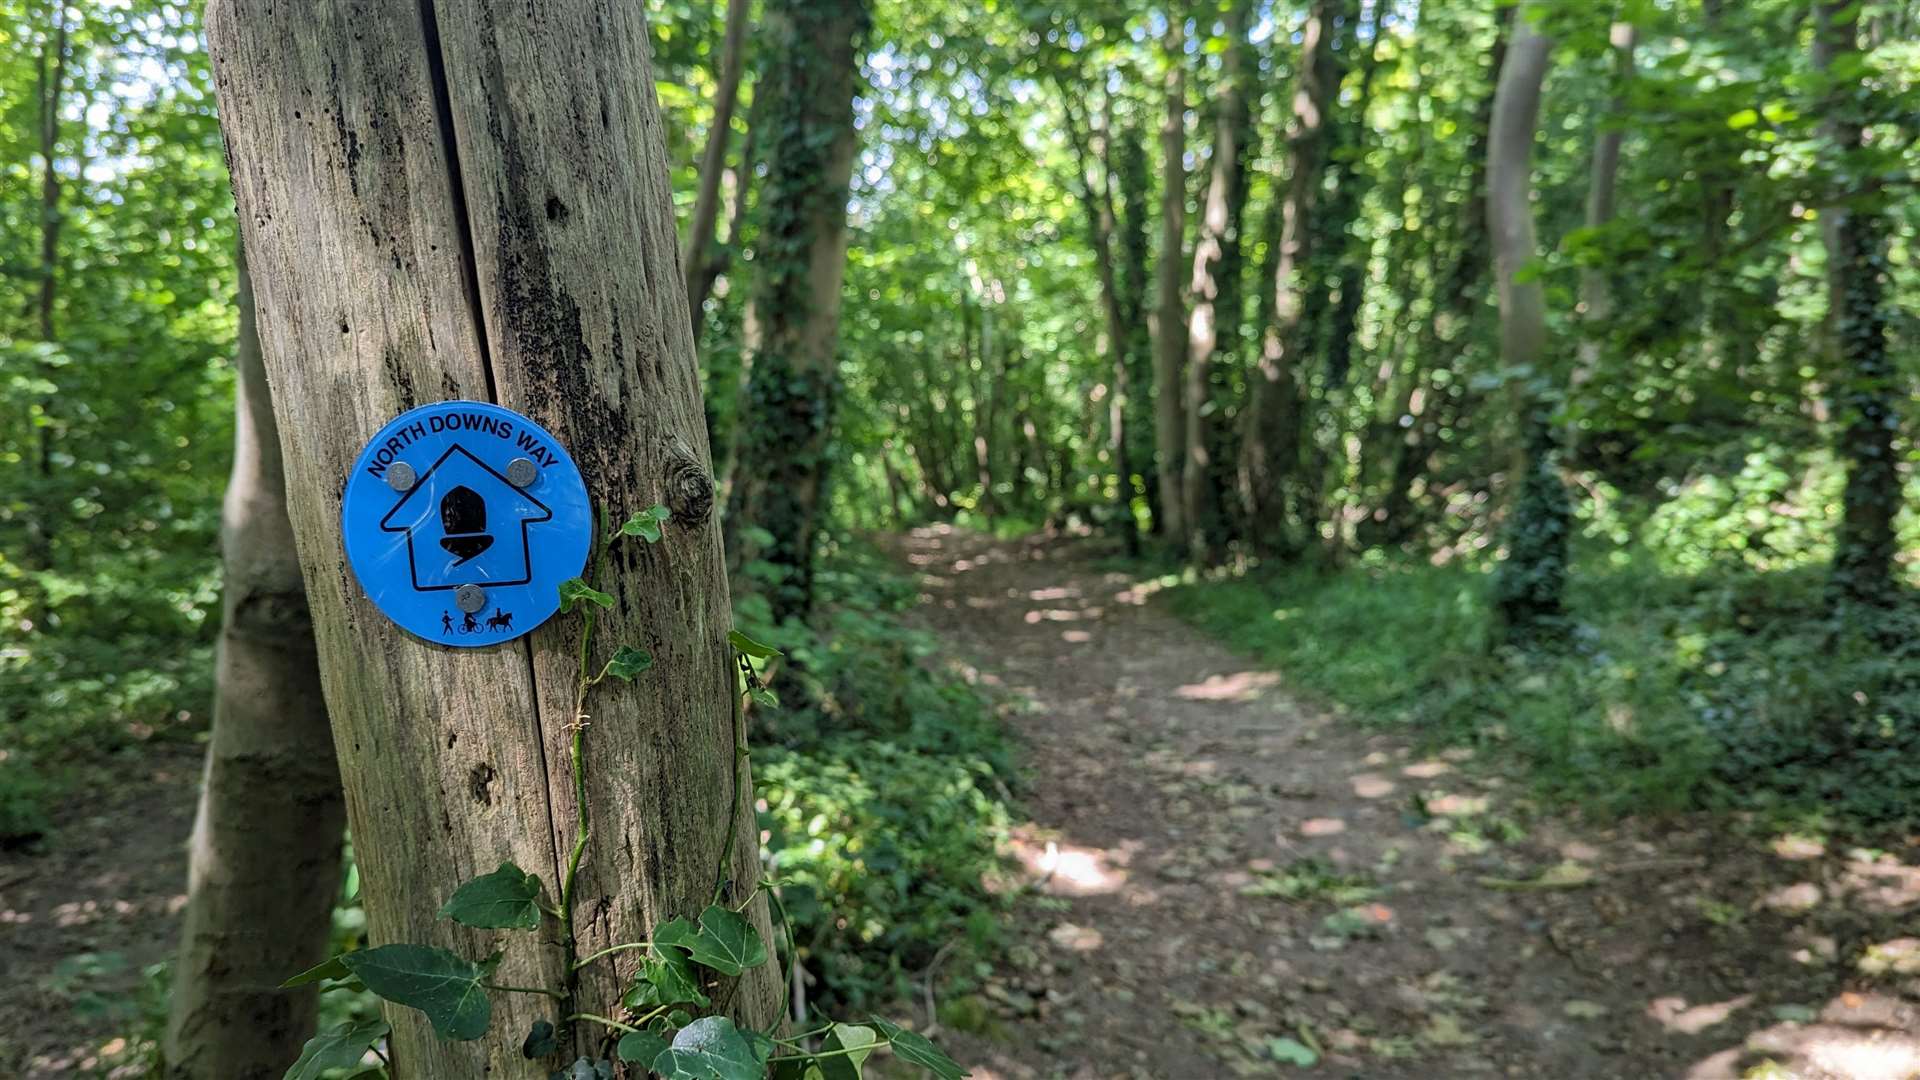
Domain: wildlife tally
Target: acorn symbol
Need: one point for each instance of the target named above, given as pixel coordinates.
(463, 517)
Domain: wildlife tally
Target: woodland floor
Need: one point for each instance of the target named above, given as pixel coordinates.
(1215, 865)
(1219, 864)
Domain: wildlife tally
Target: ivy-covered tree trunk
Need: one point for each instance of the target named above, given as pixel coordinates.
(1213, 323)
(1170, 339)
(1529, 583)
(463, 200)
(264, 863)
(1128, 162)
(1270, 450)
(1596, 282)
(800, 261)
(1864, 380)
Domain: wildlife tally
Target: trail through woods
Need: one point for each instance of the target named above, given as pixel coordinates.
(1219, 868)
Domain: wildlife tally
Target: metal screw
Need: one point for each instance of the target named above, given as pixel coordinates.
(400, 476)
(470, 598)
(521, 473)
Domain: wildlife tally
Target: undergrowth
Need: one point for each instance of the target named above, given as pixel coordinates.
(1672, 691)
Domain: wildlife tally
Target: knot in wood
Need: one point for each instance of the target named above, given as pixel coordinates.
(689, 490)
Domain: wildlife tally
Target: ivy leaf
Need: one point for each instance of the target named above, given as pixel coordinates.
(450, 990)
(330, 968)
(646, 523)
(585, 1069)
(640, 1047)
(763, 696)
(710, 1048)
(539, 1041)
(667, 979)
(507, 899)
(858, 1039)
(916, 1049)
(725, 942)
(341, 1048)
(629, 662)
(756, 649)
(576, 590)
(1292, 1051)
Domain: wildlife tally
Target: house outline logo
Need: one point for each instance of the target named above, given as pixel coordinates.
(504, 491)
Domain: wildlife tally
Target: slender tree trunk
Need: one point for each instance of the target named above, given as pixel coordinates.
(1128, 163)
(265, 856)
(700, 265)
(460, 200)
(1596, 284)
(51, 86)
(1097, 199)
(1865, 383)
(1270, 451)
(788, 416)
(1529, 584)
(1213, 326)
(1170, 339)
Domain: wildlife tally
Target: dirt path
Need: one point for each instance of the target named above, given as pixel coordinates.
(1232, 880)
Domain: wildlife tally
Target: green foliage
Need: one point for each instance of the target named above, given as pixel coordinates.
(342, 1048)
(507, 899)
(577, 591)
(451, 991)
(724, 942)
(1673, 691)
(629, 663)
(886, 793)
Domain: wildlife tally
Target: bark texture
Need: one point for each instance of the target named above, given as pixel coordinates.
(1865, 382)
(1596, 284)
(264, 863)
(1530, 581)
(1213, 324)
(469, 200)
(1271, 448)
(788, 415)
(1170, 344)
(701, 265)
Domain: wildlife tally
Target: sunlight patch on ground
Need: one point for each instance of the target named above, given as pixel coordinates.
(1426, 770)
(1322, 826)
(1674, 1014)
(1069, 869)
(1372, 786)
(1056, 592)
(1239, 686)
(1077, 637)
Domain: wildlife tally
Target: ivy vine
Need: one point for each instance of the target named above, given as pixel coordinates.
(667, 1027)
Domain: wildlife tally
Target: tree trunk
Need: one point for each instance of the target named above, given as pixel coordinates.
(802, 253)
(1128, 161)
(1170, 343)
(458, 201)
(1596, 284)
(1271, 448)
(1097, 201)
(1213, 326)
(50, 86)
(700, 266)
(1529, 583)
(265, 857)
(1864, 379)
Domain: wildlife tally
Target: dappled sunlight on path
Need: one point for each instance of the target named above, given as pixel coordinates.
(1224, 881)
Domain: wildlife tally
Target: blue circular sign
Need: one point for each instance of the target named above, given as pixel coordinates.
(461, 519)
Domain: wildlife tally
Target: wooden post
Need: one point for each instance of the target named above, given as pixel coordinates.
(462, 199)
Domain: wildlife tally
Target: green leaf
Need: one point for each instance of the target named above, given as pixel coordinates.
(629, 662)
(763, 696)
(448, 989)
(1291, 1051)
(710, 1048)
(507, 899)
(640, 1047)
(916, 1049)
(341, 1048)
(330, 968)
(859, 1039)
(1745, 118)
(646, 523)
(725, 942)
(576, 590)
(666, 979)
(756, 649)
(539, 1041)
